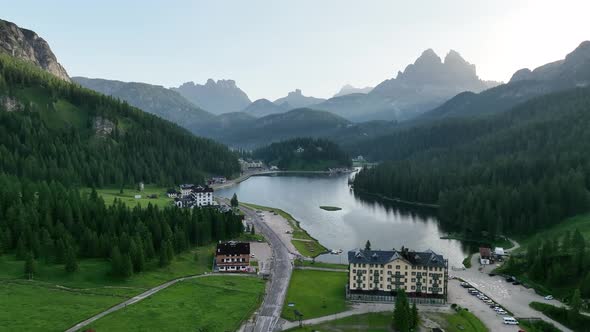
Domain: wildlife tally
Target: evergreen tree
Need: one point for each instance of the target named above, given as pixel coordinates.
(234, 201)
(585, 286)
(164, 260)
(116, 262)
(21, 249)
(252, 230)
(415, 316)
(71, 260)
(169, 251)
(401, 313)
(126, 266)
(368, 245)
(30, 266)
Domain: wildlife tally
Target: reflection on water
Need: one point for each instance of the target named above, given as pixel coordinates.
(385, 224)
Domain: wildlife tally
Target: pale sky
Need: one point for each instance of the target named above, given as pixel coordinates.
(272, 47)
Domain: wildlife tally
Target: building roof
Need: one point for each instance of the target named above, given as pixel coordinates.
(200, 189)
(233, 248)
(485, 252)
(186, 186)
(425, 258)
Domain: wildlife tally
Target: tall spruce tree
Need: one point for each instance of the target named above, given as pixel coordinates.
(30, 266)
(402, 316)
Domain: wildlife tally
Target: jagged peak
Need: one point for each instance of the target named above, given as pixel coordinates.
(581, 53)
(454, 56)
(296, 92)
(428, 56)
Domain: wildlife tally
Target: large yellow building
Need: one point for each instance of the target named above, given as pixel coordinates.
(383, 273)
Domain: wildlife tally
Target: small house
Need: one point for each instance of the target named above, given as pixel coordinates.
(232, 256)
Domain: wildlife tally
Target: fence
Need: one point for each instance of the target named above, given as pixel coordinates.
(357, 297)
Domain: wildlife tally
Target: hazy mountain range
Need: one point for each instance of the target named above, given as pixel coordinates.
(219, 97)
(349, 89)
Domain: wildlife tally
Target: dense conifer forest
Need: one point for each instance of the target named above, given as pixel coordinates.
(304, 154)
(516, 172)
(56, 137)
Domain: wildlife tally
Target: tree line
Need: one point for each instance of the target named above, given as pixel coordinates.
(47, 221)
(531, 171)
(304, 154)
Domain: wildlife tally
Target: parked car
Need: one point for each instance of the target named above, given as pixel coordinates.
(510, 321)
(465, 285)
(516, 283)
(549, 297)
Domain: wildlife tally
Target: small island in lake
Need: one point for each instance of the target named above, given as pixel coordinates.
(330, 208)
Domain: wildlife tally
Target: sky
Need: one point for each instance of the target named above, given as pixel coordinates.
(272, 47)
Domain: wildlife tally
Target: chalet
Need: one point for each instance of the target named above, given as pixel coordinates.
(485, 256)
(232, 256)
(194, 196)
(299, 150)
(172, 193)
(217, 180)
(381, 274)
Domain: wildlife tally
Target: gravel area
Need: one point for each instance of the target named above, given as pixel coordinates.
(282, 228)
(262, 253)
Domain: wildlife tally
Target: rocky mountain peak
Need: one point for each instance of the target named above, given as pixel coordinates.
(221, 96)
(428, 58)
(27, 45)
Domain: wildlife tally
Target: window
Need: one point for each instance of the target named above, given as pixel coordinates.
(413, 287)
(353, 271)
(397, 267)
(388, 286)
(413, 279)
(413, 273)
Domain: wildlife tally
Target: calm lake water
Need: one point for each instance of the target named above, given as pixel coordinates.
(387, 225)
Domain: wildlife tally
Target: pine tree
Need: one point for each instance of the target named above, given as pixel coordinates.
(126, 266)
(71, 260)
(585, 286)
(164, 260)
(21, 250)
(415, 316)
(401, 313)
(234, 201)
(170, 251)
(116, 262)
(30, 266)
(368, 245)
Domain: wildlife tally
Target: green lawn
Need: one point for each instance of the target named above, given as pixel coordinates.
(315, 294)
(309, 247)
(37, 307)
(128, 196)
(210, 304)
(321, 264)
(372, 322)
(537, 326)
(86, 292)
(581, 222)
(462, 321)
(562, 315)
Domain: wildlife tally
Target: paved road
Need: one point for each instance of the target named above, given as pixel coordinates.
(282, 266)
(320, 269)
(144, 295)
(514, 298)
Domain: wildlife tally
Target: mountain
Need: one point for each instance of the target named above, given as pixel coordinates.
(422, 86)
(244, 131)
(349, 89)
(154, 99)
(27, 45)
(219, 97)
(263, 107)
(573, 71)
(295, 99)
(513, 172)
(55, 130)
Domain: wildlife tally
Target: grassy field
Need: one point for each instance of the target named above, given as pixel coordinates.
(322, 265)
(537, 326)
(303, 242)
(81, 294)
(581, 222)
(128, 197)
(561, 315)
(315, 294)
(372, 322)
(459, 322)
(210, 304)
(32, 306)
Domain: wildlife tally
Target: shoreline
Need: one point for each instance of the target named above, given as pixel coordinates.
(398, 200)
(246, 176)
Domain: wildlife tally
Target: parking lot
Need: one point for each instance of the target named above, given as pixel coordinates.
(515, 298)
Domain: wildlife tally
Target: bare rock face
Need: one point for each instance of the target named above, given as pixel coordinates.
(27, 45)
(103, 127)
(10, 104)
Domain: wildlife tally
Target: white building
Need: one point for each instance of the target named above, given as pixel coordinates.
(194, 196)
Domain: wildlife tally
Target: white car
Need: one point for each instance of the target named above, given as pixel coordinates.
(510, 321)
(502, 312)
(549, 297)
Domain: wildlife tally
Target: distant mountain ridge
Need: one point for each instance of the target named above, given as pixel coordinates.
(154, 99)
(571, 72)
(349, 89)
(26, 45)
(223, 96)
(296, 99)
(422, 86)
(263, 107)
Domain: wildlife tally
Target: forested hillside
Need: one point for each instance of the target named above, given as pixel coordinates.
(304, 154)
(514, 172)
(53, 130)
(56, 137)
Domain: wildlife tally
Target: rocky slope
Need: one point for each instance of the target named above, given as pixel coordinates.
(349, 89)
(571, 72)
(155, 99)
(423, 85)
(223, 96)
(27, 45)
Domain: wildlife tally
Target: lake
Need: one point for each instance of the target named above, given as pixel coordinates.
(386, 224)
